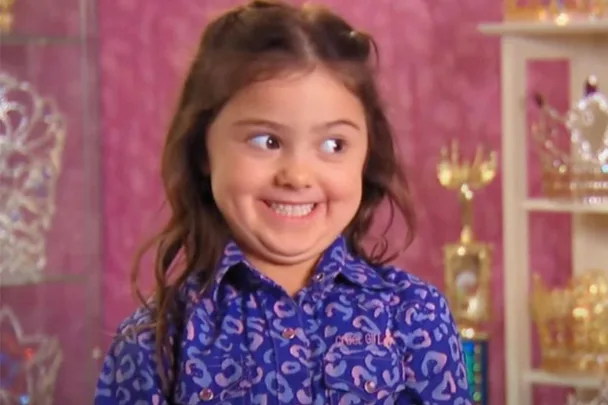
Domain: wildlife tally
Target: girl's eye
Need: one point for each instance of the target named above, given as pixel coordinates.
(265, 141)
(332, 146)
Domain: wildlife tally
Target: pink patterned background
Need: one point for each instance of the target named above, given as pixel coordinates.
(440, 78)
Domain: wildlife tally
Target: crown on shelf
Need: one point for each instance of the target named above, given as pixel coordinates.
(560, 11)
(572, 323)
(30, 363)
(580, 169)
(600, 399)
(32, 137)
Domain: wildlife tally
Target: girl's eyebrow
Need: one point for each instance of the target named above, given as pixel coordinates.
(278, 126)
(248, 122)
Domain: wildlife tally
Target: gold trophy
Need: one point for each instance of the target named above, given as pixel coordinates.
(6, 16)
(467, 263)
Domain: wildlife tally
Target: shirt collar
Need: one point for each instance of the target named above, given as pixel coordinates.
(231, 257)
(336, 261)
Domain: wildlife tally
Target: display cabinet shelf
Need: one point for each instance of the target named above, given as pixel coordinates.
(548, 28)
(549, 205)
(50, 244)
(24, 39)
(540, 377)
(46, 279)
(585, 46)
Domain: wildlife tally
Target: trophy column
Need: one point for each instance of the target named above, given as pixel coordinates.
(467, 265)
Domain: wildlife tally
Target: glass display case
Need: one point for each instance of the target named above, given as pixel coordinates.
(50, 211)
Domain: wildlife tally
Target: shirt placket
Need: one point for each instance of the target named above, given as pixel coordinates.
(291, 349)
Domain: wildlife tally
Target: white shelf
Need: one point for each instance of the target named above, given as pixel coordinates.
(585, 45)
(540, 377)
(547, 205)
(546, 28)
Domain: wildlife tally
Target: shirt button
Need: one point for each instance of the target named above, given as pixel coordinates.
(288, 333)
(206, 394)
(319, 277)
(370, 387)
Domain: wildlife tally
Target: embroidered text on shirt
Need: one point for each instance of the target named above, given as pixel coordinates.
(357, 338)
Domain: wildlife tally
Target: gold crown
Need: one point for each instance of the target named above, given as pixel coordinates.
(572, 323)
(558, 10)
(598, 398)
(573, 147)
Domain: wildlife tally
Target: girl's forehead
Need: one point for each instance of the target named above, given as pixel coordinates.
(316, 93)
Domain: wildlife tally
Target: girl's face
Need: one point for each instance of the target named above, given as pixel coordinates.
(286, 159)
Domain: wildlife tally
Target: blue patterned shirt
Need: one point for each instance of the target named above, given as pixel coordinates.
(356, 334)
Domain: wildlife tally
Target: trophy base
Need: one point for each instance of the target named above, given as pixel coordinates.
(476, 362)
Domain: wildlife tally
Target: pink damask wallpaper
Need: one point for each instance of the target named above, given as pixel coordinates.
(440, 78)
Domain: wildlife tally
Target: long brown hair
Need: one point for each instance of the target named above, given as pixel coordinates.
(252, 42)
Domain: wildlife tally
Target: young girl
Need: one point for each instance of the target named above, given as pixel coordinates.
(277, 157)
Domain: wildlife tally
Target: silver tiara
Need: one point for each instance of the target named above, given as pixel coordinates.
(32, 137)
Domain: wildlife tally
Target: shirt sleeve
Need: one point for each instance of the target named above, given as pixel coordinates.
(128, 375)
(434, 362)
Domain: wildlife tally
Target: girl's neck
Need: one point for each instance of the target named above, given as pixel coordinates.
(292, 278)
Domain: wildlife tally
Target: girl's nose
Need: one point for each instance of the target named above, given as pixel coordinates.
(294, 175)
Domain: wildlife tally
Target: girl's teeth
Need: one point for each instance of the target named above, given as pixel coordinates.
(292, 210)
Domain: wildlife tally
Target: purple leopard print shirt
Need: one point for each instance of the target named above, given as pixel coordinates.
(356, 335)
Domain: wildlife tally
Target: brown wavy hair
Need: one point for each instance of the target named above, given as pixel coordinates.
(252, 42)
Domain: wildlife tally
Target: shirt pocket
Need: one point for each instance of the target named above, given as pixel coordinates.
(364, 378)
(214, 381)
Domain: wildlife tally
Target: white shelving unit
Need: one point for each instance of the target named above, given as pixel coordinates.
(585, 45)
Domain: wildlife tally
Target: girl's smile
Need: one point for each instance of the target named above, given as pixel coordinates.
(292, 210)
